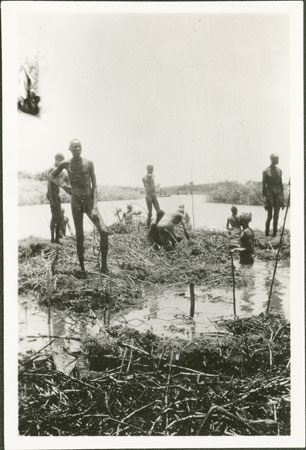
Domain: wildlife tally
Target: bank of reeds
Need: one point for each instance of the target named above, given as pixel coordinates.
(144, 385)
(50, 271)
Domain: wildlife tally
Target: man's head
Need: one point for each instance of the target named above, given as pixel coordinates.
(274, 158)
(181, 209)
(129, 207)
(245, 219)
(58, 158)
(234, 210)
(150, 168)
(75, 147)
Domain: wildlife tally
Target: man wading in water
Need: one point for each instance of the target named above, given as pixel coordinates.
(55, 203)
(83, 199)
(151, 199)
(273, 193)
(247, 240)
(232, 222)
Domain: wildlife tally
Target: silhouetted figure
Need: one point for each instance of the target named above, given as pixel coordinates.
(273, 193)
(232, 222)
(247, 240)
(65, 223)
(84, 198)
(55, 203)
(151, 199)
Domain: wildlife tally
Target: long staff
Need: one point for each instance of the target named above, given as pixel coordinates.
(233, 275)
(278, 252)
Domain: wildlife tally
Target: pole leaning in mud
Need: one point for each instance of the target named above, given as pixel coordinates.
(234, 287)
(192, 299)
(278, 252)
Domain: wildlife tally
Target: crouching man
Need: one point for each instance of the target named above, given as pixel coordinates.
(162, 232)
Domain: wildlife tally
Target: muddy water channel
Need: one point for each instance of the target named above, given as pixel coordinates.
(165, 312)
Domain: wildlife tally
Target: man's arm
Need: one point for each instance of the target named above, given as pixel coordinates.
(145, 183)
(54, 174)
(227, 224)
(282, 188)
(50, 194)
(264, 183)
(93, 184)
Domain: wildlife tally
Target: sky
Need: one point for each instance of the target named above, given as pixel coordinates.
(202, 97)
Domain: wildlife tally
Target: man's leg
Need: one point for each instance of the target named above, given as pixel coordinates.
(77, 214)
(269, 218)
(103, 232)
(58, 220)
(52, 227)
(149, 206)
(155, 203)
(275, 219)
(269, 208)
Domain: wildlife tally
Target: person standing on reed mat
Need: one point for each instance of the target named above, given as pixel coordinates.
(84, 198)
(151, 199)
(273, 193)
(55, 203)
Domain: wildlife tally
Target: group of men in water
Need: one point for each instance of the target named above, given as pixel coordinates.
(84, 198)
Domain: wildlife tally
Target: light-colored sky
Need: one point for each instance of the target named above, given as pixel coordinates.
(207, 93)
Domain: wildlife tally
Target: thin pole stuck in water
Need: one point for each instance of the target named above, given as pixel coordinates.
(192, 206)
(192, 299)
(110, 297)
(277, 255)
(49, 296)
(233, 275)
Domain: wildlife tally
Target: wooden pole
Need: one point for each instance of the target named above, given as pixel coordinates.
(192, 205)
(233, 275)
(110, 298)
(277, 255)
(192, 299)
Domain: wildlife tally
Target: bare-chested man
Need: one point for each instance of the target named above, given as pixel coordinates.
(151, 199)
(83, 199)
(273, 193)
(163, 233)
(128, 215)
(55, 203)
(232, 222)
(247, 240)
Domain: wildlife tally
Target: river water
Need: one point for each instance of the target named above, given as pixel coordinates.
(34, 220)
(165, 312)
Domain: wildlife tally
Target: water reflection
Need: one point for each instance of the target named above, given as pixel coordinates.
(165, 312)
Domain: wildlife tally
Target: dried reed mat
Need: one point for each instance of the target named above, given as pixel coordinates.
(144, 385)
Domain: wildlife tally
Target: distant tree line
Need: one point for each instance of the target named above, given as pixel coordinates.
(232, 192)
(33, 190)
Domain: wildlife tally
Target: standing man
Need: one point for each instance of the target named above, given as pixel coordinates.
(65, 223)
(273, 193)
(55, 203)
(83, 199)
(151, 199)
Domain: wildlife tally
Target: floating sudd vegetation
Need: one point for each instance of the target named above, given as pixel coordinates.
(51, 272)
(141, 384)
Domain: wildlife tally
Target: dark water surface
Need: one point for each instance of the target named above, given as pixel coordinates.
(165, 312)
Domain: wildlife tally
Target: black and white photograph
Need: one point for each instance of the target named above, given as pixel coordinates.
(153, 224)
